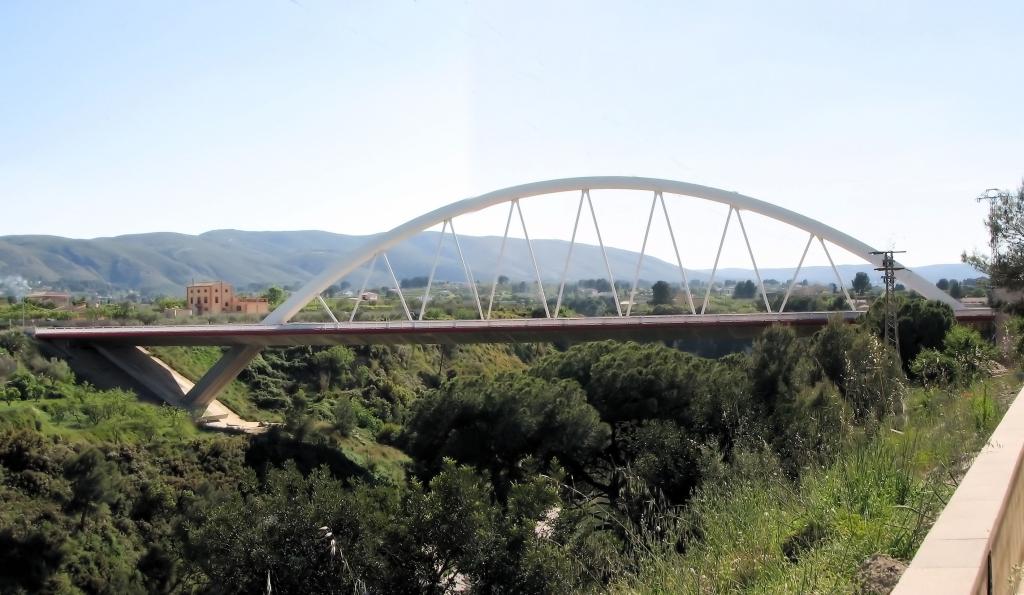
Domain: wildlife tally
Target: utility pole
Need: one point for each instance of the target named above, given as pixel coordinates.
(888, 270)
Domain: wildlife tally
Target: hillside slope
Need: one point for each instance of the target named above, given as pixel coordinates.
(162, 263)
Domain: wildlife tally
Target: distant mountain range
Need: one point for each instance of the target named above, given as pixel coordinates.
(162, 263)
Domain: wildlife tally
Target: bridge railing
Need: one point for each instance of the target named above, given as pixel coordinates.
(977, 544)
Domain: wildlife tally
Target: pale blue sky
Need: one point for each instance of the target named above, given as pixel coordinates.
(128, 117)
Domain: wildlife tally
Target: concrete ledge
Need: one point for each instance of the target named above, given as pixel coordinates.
(978, 540)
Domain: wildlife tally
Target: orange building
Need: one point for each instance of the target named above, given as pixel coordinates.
(218, 297)
(252, 305)
(210, 297)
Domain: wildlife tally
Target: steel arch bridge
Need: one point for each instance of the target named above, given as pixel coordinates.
(375, 250)
(736, 202)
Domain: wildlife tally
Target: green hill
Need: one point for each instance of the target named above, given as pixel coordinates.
(162, 263)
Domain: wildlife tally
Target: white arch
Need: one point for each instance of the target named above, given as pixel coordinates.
(382, 242)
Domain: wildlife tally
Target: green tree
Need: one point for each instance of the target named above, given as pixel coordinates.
(829, 349)
(28, 560)
(662, 293)
(311, 534)
(274, 295)
(333, 366)
(1005, 222)
(239, 537)
(955, 290)
(94, 481)
(56, 370)
(943, 284)
(166, 302)
(493, 424)
(14, 342)
(27, 385)
(971, 353)
(744, 290)
(662, 406)
(922, 324)
(861, 282)
(344, 416)
(773, 368)
(963, 358)
(664, 455)
(123, 311)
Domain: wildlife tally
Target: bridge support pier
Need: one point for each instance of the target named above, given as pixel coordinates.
(220, 375)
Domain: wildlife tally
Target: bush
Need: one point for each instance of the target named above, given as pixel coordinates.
(969, 350)
(389, 434)
(932, 366)
(27, 385)
(56, 370)
(14, 342)
(964, 357)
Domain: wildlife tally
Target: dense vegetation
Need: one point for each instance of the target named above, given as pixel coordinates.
(528, 469)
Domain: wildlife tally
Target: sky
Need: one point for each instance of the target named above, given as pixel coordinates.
(882, 119)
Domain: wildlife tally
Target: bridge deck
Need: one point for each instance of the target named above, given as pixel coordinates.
(453, 331)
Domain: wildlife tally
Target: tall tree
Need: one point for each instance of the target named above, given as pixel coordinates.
(744, 290)
(662, 293)
(861, 282)
(494, 424)
(94, 481)
(955, 290)
(1005, 223)
(275, 295)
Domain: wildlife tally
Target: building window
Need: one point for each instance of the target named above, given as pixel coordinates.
(216, 300)
(206, 300)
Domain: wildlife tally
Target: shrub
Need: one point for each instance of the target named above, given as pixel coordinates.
(56, 370)
(389, 434)
(964, 357)
(969, 350)
(27, 385)
(14, 342)
(932, 366)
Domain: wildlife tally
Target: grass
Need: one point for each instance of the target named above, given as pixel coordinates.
(87, 415)
(380, 459)
(752, 530)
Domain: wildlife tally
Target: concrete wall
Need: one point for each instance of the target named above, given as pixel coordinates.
(977, 543)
